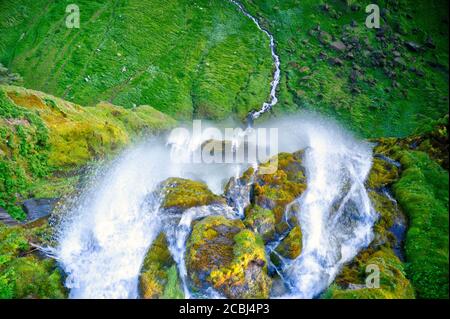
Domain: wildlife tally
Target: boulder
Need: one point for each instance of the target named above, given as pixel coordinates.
(6, 219)
(338, 46)
(412, 46)
(261, 221)
(222, 255)
(37, 208)
(182, 194)
(159, 275)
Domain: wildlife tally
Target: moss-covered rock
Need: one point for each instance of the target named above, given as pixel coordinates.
(223, 255)
(159, 275)
(181, 194)
(261, 221)
(283, 186)
(23, 273)
(291, 246)
(382, 173)
(351, 283)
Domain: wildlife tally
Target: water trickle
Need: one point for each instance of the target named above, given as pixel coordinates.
(277, 64)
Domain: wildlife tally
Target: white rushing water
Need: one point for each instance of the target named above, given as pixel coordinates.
(276, 59)
(104, 237)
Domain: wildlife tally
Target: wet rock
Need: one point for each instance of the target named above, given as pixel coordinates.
(159, 275)
(6, 219)
(37, 208)
(222, 255)
(291, 246)
(261, 221)
(182, 194)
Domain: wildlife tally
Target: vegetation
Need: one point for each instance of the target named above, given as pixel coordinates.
(223, 255)
(159, 275)
(181, 194)
(374, 81)
(422, 191)
(46, 140)
(22, 273)
(393, 283)
(185, 58)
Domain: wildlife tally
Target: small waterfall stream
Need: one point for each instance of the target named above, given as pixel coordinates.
(276, 60)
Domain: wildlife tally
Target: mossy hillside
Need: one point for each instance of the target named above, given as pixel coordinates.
(223, 255)
(159, 275)
(45, 140)
(181, 194)
(422, 191)
(375, 84)
(23, 274)
(186, 58)
(393, 281)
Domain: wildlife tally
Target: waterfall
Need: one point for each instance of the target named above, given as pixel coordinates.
(335, 212)
(277, 64)
(103, 239)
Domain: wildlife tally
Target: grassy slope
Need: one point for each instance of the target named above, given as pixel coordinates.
(422, 191)
(42, 135)
(186, 58)
(379, 109)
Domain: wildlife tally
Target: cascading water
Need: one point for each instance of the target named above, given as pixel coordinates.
(335, 212)
(104, 238)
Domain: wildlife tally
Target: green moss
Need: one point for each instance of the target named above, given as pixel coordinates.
(261, 221)
(22, 274)
(44, 139)
(373, 96)
(223, 255)
(184, 193)
(159, 275)
(387, 211)
(291, 246)
(393, 281)
(275, 191)
(422, 191)
(205, 59)
(382, 174)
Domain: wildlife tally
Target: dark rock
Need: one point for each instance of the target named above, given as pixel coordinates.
(6, 219)
(429, 43)
(37, 208)
(335, 61)
(400, 61)
(325, 7)
(413, 46)
(350, 56)
(354, 24)
(338, 46)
